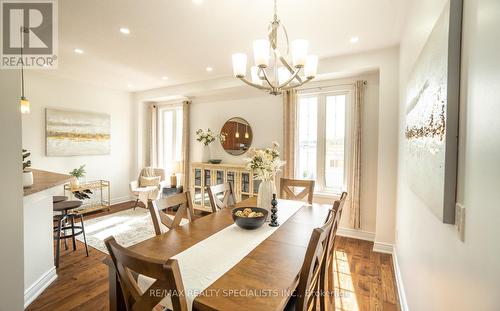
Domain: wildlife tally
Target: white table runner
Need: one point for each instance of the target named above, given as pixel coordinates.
(205, 262)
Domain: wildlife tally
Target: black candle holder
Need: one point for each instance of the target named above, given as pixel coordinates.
(274, 210)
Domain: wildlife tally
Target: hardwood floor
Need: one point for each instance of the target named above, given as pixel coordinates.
(363, 280)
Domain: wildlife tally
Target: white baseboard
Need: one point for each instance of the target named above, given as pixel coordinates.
(121, 200)
(381, 247)
(39, 286)
(399, 282)
(356, 234)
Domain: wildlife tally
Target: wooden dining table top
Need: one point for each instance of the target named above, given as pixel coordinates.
(263, 279)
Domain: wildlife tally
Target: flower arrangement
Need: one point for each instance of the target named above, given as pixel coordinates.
(265, 163)
(209, 137)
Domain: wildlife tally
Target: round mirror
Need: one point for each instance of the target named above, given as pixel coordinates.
(238, 136)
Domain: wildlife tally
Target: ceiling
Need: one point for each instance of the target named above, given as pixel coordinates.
(178, 39)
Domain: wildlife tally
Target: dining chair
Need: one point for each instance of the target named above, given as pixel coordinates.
(166, 274)
(157, 209)
(221, 196)
(327, 267)
(287, 189)
(308, 290)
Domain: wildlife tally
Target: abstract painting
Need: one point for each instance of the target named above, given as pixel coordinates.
(431, 129)
(73, 133)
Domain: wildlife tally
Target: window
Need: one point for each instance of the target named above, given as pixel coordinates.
(321, 139)
(170, 136)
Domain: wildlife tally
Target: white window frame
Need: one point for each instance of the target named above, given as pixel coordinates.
(322, 93)
(175, 107)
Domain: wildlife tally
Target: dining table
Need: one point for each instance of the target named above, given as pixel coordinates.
(258, 274)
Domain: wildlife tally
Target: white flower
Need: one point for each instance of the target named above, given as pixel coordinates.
(208, 137)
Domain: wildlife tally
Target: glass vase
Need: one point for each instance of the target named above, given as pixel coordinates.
(207, 154)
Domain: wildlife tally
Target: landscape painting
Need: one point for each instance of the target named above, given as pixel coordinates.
(431, 129)
(74, 133)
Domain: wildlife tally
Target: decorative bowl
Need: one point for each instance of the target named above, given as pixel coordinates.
(215, 161)
(250, 223)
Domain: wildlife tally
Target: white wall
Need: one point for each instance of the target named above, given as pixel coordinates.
(214, 101)
(44, 91)
(439, 271)
(263, 112)
(11, 220)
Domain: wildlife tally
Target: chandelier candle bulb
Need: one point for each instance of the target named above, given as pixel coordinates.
(239, 64)
(299, 52)
(311, 68)
(261, 52)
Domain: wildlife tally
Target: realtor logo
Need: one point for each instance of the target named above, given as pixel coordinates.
(29, 28)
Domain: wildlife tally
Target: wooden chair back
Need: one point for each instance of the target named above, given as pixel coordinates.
(327, 268)
(167, 275)
(221, 196)
(337, 208)
(287, 189)
(157, 207)
(310, 278)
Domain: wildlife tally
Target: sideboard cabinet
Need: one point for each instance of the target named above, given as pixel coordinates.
(204, 175)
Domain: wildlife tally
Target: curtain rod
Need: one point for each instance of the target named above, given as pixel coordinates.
(365, 83)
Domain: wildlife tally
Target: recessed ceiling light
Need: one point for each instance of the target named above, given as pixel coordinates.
(209, 69)
(129, 85)
(197, 1)
(78, 51)
(354, 40)
(125, 31)
(164, 78)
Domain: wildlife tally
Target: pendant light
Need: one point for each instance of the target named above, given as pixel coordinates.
(282, 72)
(237, 135)
(246, 132)
(24, 102)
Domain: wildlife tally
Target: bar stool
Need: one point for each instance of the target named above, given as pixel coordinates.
(59, 198)
(66, 221)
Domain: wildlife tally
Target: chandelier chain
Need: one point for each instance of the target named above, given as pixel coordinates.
(275, 9)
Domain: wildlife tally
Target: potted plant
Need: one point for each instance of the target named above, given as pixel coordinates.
(206, 138)
(264, 165)
(77, 173)
(27, 173)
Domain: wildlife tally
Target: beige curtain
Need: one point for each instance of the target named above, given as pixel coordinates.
(185, 163)
(355, 167)
(153, 136)
(289, 120)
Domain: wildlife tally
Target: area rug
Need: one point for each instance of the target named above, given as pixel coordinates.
(129, 227)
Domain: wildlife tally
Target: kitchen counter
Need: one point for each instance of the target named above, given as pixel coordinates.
(44, 180)
(39, 269)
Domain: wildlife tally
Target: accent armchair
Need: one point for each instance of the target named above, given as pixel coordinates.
(149, 192)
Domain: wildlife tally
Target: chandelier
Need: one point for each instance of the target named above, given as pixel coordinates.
(276, 75)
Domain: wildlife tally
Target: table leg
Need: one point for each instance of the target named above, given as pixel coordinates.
(116, 301)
